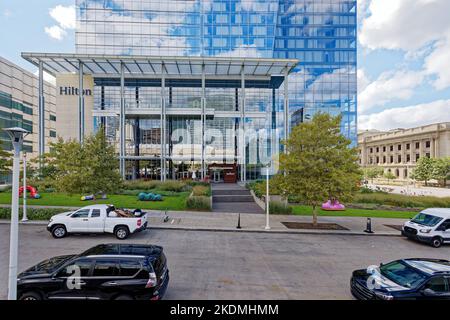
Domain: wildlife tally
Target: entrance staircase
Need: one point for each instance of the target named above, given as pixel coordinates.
(231, 197)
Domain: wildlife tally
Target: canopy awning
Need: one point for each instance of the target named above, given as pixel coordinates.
(104, 65)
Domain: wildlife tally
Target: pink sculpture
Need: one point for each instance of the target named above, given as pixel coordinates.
(333, 205)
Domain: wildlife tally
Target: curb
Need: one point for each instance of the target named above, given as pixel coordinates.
(309, 232)
(212, 229)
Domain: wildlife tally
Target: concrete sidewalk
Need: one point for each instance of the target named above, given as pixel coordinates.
(227, 222)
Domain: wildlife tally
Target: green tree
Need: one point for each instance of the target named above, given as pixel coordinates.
(5, 159)
(102, 165)
(320, 164)
(389, 176)
(373, 173)
(91, 167)
(424, 170)
(441, 170)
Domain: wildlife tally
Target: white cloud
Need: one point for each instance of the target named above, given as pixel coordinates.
(363, 80)
(400, 24)
(390, 85)
(438, 63)
(421, 29)
(407, 117)
(7, 13)
(66, 19)
(55, 32)
(65, 16)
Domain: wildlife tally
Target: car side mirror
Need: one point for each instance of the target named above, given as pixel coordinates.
(429, 292)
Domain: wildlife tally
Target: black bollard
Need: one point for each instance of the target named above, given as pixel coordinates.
(239, 222)
(369, 226)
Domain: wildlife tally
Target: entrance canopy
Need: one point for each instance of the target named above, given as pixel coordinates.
(138, 66)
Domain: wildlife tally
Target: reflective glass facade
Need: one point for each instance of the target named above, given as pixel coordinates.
(321, 34)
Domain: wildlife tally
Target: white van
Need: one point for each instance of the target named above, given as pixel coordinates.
(431, 226)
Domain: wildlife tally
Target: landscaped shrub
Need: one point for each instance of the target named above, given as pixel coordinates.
(201, 191)
(32, 213)
(404, 201)
(170, 185)
(194, 183)
(141, 184)
(276, 207)
(173, 185)
(200, 203)
(366, 190)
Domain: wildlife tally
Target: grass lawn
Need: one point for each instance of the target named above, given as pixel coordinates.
(307, 211)
(172, 202)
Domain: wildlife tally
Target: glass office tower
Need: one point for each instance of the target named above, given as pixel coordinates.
(321, 34)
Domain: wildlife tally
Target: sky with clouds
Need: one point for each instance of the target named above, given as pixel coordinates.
(403, 58)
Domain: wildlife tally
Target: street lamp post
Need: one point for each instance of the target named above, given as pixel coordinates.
(267, 199)
(24, 216)
(16, 135)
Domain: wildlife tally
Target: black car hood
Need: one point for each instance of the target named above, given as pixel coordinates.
(378, 281)
(46, 267)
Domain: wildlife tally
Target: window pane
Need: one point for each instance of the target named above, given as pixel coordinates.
(105, 268)
(129, 268)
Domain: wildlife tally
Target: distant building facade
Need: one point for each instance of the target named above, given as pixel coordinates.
(399, 150)
(19, 107)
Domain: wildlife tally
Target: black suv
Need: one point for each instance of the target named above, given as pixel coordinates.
(104, 272)
(403, 279)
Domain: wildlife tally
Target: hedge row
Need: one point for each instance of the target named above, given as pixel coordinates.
(32, 213)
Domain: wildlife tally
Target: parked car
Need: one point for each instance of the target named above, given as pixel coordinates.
(404, 279)
(431, 226)
(104, 272)
(100, 218)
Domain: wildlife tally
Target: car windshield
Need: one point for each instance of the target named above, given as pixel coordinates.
(402, 274)
(426, 219)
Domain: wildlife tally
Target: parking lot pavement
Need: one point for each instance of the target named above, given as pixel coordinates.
(224, 265)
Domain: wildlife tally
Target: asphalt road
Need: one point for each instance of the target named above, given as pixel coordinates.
(224, 265)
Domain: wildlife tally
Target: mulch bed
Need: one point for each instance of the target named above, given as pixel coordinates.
(319, 226)
(394, 226)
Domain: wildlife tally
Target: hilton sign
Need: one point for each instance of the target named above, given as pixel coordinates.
(72, 91)
(67, 100)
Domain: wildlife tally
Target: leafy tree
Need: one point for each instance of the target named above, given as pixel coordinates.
(320, 164)
(373, 173)
(424, 170)
(441, 170)
(5, 159)
(102, 165)
(390, 176)
(75, 168)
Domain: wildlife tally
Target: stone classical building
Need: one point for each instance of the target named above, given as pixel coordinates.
(399, 150)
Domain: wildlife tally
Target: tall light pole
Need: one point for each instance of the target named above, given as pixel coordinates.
(267, 198)
(24, 216)
(16, 135)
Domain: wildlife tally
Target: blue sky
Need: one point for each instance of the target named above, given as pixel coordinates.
(403, 59)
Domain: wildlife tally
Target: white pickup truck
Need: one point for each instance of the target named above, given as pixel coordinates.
(99, 218)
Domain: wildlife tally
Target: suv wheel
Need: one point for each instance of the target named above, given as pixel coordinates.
(59, 232)
(122, 233)
(31, 296)
(436, 242)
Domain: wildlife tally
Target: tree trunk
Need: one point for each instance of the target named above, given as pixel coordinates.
(314, 216)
